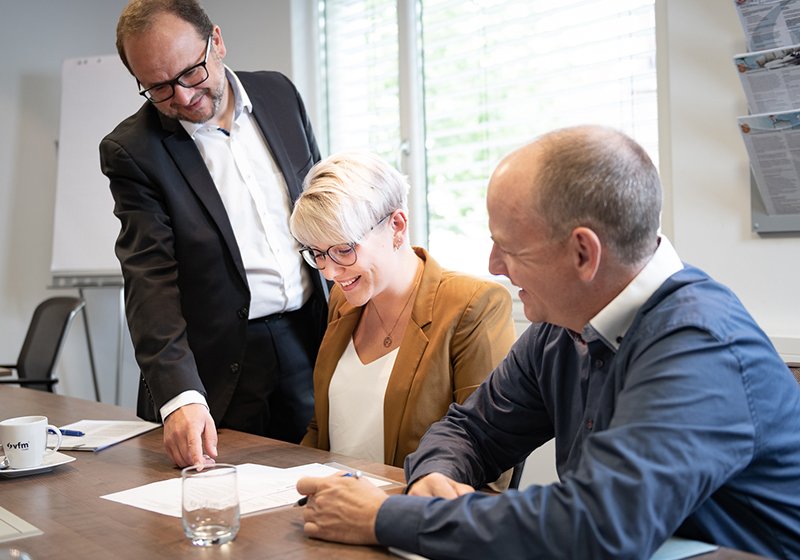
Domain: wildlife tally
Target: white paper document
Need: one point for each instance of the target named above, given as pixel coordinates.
(769, 23)
(99, 434)
(260, 488)
(770, 79)
(773, 144)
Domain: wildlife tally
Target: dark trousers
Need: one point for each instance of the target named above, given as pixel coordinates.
(275, 393)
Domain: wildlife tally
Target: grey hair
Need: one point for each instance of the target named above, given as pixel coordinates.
(599, 178)
(344, 196)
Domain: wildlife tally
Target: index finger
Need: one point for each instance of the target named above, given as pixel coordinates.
(195, 450)
(210, 438)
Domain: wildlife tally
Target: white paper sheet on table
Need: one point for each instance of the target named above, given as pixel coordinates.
(260, 488)
(99, 434)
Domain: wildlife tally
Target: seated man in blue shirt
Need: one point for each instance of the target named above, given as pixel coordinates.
(671, 410)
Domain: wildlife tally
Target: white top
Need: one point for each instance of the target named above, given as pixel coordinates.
(356, 393)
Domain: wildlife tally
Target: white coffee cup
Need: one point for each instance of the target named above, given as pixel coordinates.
(24, 441)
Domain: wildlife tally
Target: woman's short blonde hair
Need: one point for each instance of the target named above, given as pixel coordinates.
(344, 196)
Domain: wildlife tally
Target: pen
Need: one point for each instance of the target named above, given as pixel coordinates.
(74, 433)
(304, 500)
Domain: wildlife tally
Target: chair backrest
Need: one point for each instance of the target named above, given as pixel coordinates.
(45, 337)
(516, 476)
(794, 367)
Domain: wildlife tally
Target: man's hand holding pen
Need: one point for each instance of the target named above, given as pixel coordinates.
(355, 474)
(344, 506)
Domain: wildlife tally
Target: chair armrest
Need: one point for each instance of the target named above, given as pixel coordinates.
(23, 382)
(794, 367)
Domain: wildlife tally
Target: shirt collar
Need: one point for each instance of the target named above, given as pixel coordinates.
(612, 322)
(241, 102)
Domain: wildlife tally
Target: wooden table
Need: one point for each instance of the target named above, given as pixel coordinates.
(77, 523)
(66, 505)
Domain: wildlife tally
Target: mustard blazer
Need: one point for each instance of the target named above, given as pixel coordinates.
(460, 329)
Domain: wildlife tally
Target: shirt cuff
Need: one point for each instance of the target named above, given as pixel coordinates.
(397, 524)
(187, 397)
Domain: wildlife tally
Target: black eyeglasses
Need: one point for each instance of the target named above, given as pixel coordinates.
(189, 78)
(343, 254)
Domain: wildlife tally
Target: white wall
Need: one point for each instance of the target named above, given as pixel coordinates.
(39, 34)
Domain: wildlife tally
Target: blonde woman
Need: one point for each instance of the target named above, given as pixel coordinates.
(405, 338)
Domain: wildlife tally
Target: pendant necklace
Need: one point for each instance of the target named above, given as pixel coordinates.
(387, 341)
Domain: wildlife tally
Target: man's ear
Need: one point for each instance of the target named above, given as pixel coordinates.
(587, 252)
(219, 44)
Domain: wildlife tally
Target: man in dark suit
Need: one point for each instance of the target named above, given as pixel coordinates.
(225, 317)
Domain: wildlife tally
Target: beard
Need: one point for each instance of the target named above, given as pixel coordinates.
(200, 115)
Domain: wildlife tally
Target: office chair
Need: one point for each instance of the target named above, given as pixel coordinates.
(48, 328)
(516, 475)
(794, 367)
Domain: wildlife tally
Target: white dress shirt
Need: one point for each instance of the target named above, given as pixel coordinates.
(256, 199)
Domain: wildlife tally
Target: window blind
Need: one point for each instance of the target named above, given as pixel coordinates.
(495, 74)
(360, 51)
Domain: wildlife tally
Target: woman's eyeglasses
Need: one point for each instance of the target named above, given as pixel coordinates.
(343, 254)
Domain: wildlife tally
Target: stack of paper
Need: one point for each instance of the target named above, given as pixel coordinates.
(99, 434)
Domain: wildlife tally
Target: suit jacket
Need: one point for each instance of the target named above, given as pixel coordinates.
(186, 292)
(460, 329)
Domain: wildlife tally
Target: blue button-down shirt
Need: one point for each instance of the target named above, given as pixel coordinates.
(687, 423)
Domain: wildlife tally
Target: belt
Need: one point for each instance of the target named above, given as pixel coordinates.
(271, 318)
(278, 316)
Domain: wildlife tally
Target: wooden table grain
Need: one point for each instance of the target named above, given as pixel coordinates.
(77, 524)
(66, 505)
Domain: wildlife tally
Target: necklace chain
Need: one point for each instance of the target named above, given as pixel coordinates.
(387, 341)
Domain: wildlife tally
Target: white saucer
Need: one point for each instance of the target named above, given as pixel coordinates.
(51, 460)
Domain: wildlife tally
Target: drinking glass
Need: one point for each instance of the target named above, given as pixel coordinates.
(210, 504)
